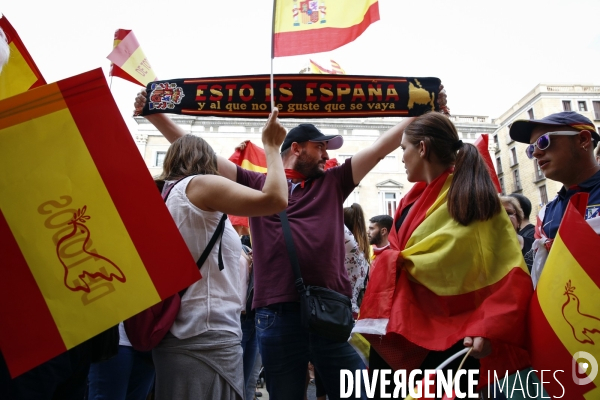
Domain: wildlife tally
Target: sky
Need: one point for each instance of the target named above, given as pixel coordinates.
(487, 54)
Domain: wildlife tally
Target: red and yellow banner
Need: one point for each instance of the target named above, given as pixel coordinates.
(453, 281)
(128, 59)
(252, 158)
(20, 73)
(86, 240)
(482, 144)
(564, 314)
(311, 26)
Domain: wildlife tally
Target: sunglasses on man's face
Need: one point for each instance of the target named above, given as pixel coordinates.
(543, 142)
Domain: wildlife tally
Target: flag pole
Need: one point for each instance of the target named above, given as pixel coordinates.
(273, 54)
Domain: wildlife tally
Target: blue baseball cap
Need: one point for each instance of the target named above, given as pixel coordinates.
(520, 130)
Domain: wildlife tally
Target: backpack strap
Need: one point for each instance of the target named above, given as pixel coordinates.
(218, 233)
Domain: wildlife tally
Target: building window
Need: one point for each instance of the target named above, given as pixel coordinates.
(517, 180)
(352, 198)
(566, 105)
(499, 164)
(496, 143)
(501, 179)
(390, 203)
(530, 112)
(388, 164)
(582, 105)
(513, 157)
(538, 172)
(543, 195)
(160, 158)
(596, 105)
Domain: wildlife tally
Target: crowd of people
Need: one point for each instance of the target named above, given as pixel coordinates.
(451, 235)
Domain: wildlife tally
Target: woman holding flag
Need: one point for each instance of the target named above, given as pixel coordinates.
(454, 276)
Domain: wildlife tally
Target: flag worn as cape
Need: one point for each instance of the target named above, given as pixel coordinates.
(564, 313)
(482, 144)
(252, 158)
(128, 59)
(85, 238)
(20, 73)
(311, 26)
(452, 281)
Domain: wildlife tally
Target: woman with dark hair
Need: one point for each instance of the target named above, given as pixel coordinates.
(454, 276)
(357, 258)
(201, 357)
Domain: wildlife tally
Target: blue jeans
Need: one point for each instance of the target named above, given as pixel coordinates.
(250, 349)
(129, 375)
(286, 348)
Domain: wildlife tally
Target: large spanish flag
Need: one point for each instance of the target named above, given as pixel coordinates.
(564, 314)
(128, 59)
(85, 238)
(311, 26)
(449, 281)
(252, 158)
(20, 73)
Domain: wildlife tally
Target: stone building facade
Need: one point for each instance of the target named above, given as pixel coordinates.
(378, 193)
(516, 172)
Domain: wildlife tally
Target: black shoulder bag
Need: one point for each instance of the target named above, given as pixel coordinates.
(323, 311)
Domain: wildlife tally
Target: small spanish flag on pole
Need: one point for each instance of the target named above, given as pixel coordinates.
(252, 158)
(128, 59)
(85, 238)
(564, 313)
(20, 73)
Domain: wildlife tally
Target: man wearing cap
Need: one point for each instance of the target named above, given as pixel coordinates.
(315, 214)
(563, 145)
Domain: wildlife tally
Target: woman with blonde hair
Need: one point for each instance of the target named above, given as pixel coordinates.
(454, 276)
(201, 357)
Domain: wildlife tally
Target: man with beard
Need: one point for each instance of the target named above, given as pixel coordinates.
(379, 229)
(315, 214)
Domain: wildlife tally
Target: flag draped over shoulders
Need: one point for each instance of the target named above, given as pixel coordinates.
(441, 282)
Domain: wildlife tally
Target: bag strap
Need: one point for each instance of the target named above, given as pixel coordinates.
(291, 249)
(218, 233)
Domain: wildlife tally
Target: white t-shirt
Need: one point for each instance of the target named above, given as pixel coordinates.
(215, 301)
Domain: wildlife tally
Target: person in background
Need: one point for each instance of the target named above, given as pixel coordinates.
(357, 259)
(598, 155)
(516, 216)
(128, 376)
(526, 229)
(379, 229)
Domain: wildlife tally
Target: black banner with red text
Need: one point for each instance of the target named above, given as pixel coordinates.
(296, 96)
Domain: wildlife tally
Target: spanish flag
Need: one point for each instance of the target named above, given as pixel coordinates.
(20, 73)
(128, 59)
(564, 314)
(252, 158)
(311, 26)
(448, 281)
(482, 144)
(85, 238)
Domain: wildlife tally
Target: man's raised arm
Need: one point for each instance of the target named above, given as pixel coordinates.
(171, 131)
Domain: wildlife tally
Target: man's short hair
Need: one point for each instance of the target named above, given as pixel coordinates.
(524, 202)
(384, 221)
